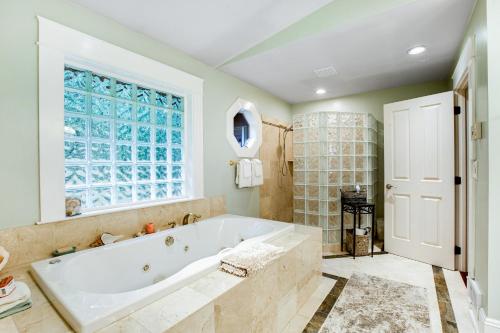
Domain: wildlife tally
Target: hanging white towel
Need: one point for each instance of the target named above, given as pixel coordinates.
(244, 173)
(257, 172)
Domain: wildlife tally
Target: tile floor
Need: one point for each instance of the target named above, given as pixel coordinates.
(394, 268)
(304, 315)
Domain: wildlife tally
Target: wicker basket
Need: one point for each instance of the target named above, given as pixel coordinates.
(362, 243)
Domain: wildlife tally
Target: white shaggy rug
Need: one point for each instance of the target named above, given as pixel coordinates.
(372, 304)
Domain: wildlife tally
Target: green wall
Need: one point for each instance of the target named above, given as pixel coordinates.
(477, 30)
(373, 102)
(19, 199)
(493, 18)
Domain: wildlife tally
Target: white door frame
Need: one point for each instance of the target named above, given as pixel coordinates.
(461, 170)
(464, 75)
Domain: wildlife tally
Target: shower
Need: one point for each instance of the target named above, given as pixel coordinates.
(333, 151)
(284, 170)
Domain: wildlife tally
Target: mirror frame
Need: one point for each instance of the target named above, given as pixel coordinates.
(254, 120)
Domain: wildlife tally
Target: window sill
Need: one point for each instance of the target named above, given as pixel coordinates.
(122, 209)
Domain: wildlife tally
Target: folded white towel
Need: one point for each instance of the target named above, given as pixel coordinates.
(257, 172)
(21, 294)
(244, 173)
(248, 259)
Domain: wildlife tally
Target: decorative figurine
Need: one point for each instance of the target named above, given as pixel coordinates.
(73, 206)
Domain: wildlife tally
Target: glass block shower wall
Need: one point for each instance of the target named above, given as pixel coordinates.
(332, 151)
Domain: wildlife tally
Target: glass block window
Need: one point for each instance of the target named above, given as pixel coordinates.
(124, 142)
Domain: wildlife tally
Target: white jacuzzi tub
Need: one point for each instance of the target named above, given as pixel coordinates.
(95, 287)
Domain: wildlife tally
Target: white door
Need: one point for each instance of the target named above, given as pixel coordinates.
(419, 179)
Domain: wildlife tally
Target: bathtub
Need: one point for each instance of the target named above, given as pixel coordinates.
(95, 287)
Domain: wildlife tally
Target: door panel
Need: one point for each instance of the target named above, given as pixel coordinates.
(402, 217)
(430, 227)
(402, 145)
(431, 143)
(419, 167)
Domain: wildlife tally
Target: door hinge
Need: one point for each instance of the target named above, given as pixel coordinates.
(458, 250)
(457, 110)
(458, 180)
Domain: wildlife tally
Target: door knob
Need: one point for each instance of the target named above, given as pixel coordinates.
(389, 186)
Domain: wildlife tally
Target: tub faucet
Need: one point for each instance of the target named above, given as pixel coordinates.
(185, 220)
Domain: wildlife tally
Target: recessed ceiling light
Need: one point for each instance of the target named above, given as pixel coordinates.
(417, 50)
(320, 91)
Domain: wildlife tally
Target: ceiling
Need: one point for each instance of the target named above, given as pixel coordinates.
(212, 31)
(277, 44)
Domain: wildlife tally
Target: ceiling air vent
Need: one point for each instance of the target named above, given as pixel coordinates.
(325, 72)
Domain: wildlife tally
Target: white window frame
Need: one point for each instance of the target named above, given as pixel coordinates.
(59, 45)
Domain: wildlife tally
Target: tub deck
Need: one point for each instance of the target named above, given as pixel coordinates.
(211, 304)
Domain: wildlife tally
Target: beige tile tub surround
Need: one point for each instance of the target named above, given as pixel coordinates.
(32, 243)
(276, 196)
(268, 301)
(265, 302)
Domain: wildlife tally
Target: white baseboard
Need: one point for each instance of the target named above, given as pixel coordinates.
(488, 325)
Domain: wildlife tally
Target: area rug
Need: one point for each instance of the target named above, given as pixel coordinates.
(372, 304)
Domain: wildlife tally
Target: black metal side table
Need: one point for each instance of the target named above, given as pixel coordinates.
(357, 208)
